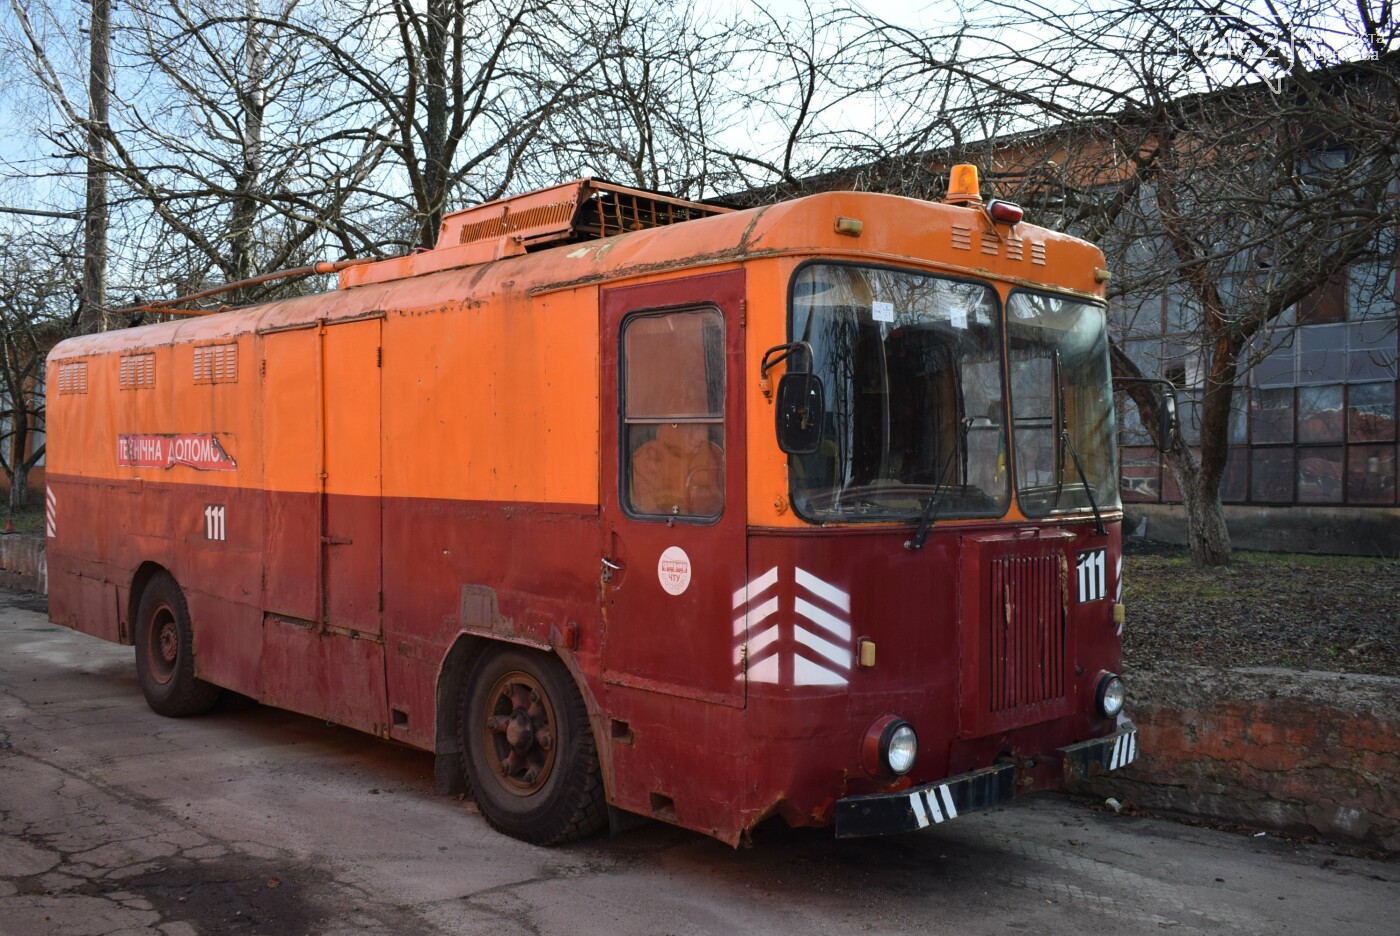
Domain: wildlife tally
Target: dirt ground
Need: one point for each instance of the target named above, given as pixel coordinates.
(1337, 613)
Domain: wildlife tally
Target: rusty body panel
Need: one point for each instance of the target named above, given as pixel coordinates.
(426, 458)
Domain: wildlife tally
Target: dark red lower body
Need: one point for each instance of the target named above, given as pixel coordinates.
(349, 609)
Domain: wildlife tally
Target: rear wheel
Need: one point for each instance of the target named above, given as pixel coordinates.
(165, 652)
(528, 750)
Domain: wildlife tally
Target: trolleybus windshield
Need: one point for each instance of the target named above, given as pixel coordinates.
(911, 368)
(1061, 405)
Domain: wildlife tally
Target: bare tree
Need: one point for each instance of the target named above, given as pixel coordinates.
(1230, 157)
(652, 110)
(38, 308)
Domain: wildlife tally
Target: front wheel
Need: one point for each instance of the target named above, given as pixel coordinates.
(528, 750)
(165, 652)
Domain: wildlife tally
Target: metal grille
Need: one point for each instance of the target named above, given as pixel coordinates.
(72, 378)
(137, 371)
(962, 237)
(617, 211)
(216, 364)
(541, 216)
(1026, 636)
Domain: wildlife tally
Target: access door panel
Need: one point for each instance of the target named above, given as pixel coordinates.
(291, 424)
(353, 525)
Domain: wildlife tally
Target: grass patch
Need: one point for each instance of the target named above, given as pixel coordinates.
(1264, 609)
(27, 519)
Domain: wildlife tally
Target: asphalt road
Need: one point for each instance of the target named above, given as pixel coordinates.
(250, 820)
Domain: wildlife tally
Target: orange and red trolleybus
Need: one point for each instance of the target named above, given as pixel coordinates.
(625, 504)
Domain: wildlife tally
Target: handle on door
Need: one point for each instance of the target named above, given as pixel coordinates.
(609, 567)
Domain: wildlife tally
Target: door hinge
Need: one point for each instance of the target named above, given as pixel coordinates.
(381, 601)
(743, 312)
(379, 356)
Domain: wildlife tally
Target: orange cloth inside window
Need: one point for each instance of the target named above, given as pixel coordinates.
(680, 472)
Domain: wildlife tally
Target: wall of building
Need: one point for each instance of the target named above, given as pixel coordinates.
(1314, 420)
(1341, 531)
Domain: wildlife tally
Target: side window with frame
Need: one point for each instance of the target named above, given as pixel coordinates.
(672, 403)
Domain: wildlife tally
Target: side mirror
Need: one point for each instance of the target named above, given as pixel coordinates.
(801, 406)
(1168, 422)
(1167, 427)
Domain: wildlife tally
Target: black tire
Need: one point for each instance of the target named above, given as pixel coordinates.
(527, 748)
(165, 652)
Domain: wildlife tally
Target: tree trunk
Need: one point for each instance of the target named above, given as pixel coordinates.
(19, 487)
(1206, 532)
(93, 301)
(249, 180)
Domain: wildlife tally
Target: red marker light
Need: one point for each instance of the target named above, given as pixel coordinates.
(1004, 212)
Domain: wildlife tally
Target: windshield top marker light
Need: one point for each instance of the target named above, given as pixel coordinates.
(1004, 212)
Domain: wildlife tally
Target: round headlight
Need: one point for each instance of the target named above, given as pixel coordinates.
(901, 747)
(1110, 695)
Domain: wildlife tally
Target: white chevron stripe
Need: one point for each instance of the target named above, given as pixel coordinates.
(824, 590)
(765, 671)
(762, 642)
(755, 616)
(807, 673)
(837, 628)
(934, 810)
(839, 656)
(757, 587)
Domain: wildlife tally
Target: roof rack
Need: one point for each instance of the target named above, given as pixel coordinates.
(582, 210)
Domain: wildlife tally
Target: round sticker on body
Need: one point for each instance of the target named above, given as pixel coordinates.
(673, 570)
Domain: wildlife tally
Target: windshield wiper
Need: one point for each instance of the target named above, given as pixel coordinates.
(1088, 491)
(930, 514)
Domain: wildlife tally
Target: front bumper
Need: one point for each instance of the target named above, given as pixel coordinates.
(932, 803)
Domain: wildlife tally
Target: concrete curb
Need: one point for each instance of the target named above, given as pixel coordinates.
(1295, 751)
(22, 563)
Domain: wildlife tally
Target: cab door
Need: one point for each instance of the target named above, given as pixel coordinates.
(673, 493)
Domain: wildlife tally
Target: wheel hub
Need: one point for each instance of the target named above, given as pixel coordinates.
(520, 730)
(163, 650)
(169, 642)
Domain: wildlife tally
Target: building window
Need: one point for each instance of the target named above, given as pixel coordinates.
(1271, 475)
(1320, 475)
(1324, 305)
(1141, 478)
(1271, 416)
(1234, 487)
(1371, 413)
(1320, 417)
(1371, 474)
(673, 413)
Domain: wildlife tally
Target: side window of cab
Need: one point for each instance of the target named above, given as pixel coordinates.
(672, 399)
